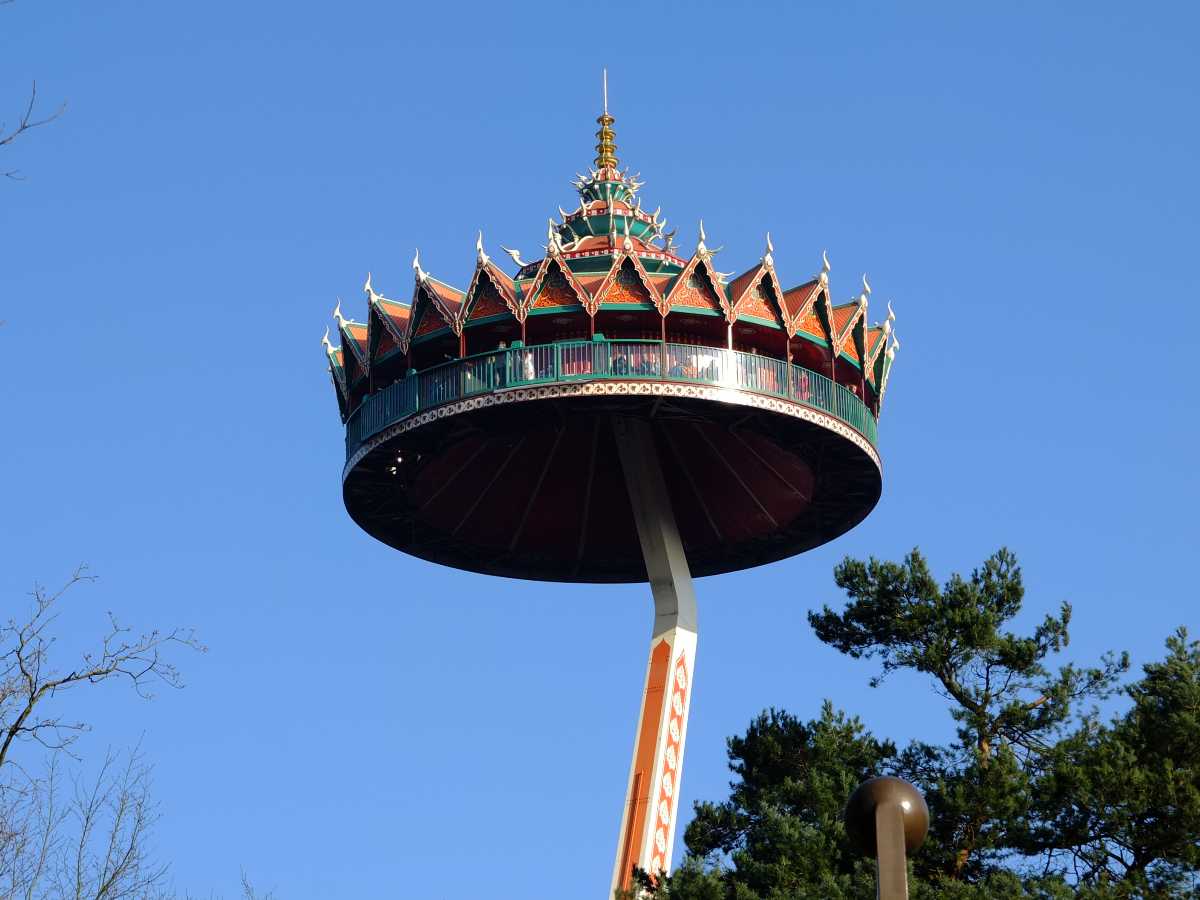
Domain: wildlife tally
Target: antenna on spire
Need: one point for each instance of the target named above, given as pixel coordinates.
(606, 149)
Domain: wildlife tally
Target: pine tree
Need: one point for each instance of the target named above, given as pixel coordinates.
(1033, 800)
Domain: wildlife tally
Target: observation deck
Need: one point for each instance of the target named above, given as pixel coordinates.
(505, 462)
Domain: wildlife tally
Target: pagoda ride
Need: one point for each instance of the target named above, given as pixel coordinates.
(615, 412)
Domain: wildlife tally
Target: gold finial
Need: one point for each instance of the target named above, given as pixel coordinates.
(606, 150)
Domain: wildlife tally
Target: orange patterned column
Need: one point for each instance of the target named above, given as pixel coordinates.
(652, 800)
(651, 807)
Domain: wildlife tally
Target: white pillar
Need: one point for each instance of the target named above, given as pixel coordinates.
(652, 793)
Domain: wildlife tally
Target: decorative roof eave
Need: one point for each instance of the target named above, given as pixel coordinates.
(821, 305)
(340, 392)
(337, 373)
(776, 291)
(423, 304)
(802, 300)
(745, 283)
(485, 268)
(700, 258)
(425, 300)
(858, 336)
(851, 338)
(614, 271)
(334, 358)
(876, 354)
(846, 346)
(383, 311)
(824, 307)
(446, 299)
(353, 335)
(379, 326)
(741, 286)
(876, 339)
(554, 258)
(388, 311)
(886, 361)
(853, 313)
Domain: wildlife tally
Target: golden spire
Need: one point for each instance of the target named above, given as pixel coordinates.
(606, 150)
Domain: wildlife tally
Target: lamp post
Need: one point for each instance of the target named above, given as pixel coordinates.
(887, 818)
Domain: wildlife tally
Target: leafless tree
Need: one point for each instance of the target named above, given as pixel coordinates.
(91, 841)
(249, 893)
(88, 845)
(28, 121)
(29, 679)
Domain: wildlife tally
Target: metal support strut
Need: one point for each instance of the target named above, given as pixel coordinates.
(652, 795)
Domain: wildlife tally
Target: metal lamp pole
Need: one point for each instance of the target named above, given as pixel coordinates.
(887, 818)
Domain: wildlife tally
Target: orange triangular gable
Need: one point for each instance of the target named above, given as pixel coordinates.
(427, 314)
(337, 375)
(555, 285)
(627, 282)
(741, 284)
(382, 337)
(846, 319)
(449, 300)
(396, 319)
(488, 296)
(798, 302)
(696, 287)
(590, 284)
(760, 297)
(337, 369)
(354, 336)
(876, 341)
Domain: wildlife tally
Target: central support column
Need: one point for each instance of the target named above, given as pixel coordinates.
(652, 795)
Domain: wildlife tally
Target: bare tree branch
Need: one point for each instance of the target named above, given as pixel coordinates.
(29, 680)
(92, 842)
(26, 123)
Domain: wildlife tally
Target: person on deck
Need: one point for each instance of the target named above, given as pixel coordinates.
(499, 369)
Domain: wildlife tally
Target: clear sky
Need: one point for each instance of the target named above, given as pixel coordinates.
(1020, 182)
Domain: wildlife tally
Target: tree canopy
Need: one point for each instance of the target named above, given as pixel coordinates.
(1036, 797)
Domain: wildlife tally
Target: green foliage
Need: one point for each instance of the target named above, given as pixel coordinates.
(1033, 800)
(1122, 800)
(782, 824)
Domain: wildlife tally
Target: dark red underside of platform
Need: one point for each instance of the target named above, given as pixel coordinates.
(539, 492)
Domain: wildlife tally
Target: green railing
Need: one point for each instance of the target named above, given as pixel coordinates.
(569, 361)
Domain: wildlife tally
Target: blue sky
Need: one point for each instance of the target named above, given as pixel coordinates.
(1019, 181)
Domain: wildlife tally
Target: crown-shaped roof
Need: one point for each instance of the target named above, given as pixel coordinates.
(610, 252)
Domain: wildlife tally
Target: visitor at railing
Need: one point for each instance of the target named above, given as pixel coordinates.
(510, 367)
(801, 386)
(577, 359)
